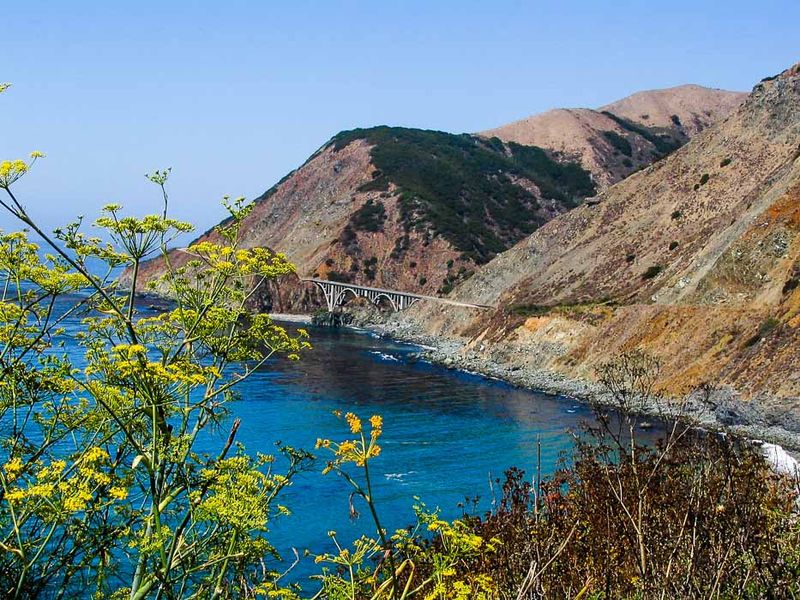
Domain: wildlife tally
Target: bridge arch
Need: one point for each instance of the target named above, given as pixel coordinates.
(342, 296)
(388, 297)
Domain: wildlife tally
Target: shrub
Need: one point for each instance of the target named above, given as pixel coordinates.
(676, 214)
(664, 143)
(370, 217)
(704, 178)
(614, 526)
(652, 272)
(530, 310)
(725, 162)
(763, 330)
(673, 245)
(618, 142)
(340, 277)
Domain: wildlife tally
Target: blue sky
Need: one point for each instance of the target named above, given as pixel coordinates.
(234, 94)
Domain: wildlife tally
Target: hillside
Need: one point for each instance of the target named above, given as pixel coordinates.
(622, 137)
(696, 259)
(409, 209)
(420, 210)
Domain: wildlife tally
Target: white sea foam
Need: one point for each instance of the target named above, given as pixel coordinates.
(398, 476)
(384, 356)
(780, 460)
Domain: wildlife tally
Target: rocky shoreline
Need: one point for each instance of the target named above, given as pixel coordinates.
(781, 445)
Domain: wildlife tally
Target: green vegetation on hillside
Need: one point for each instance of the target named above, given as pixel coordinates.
(664, 142)
(466, 188)
(618, 142)
(369, 217)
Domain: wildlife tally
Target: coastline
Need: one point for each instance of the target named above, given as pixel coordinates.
(780, 446)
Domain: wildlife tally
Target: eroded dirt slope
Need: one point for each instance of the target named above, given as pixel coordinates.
(696, 260)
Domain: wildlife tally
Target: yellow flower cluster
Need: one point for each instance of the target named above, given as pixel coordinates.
(354, 422)
(73, 494)
(13, 468)
(241, 262)
(458, 539)
(128, 362)
(118, 493)
(11, 171)
(239, 494)
(359, 450)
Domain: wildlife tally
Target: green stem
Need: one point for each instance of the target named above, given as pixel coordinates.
(375, 518)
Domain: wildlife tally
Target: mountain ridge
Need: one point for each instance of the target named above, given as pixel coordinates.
(612, 148)
(695, 260)
(418, 210)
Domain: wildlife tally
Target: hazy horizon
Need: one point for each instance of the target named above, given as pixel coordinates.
(233, 97)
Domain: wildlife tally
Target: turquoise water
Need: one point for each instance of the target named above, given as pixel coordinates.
(448, 435)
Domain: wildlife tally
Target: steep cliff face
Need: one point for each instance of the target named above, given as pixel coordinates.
(696, 259)
(622, 137)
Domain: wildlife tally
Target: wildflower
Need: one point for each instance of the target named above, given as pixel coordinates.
(11, 171)
(13, 468)
(346, 448)
(354, 422)
(95, 454)
(14, 495)
(36, 154)
(136, 349)
(77, 502)
(118, 493)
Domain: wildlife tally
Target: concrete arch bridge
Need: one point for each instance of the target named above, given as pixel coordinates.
(336, 293)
